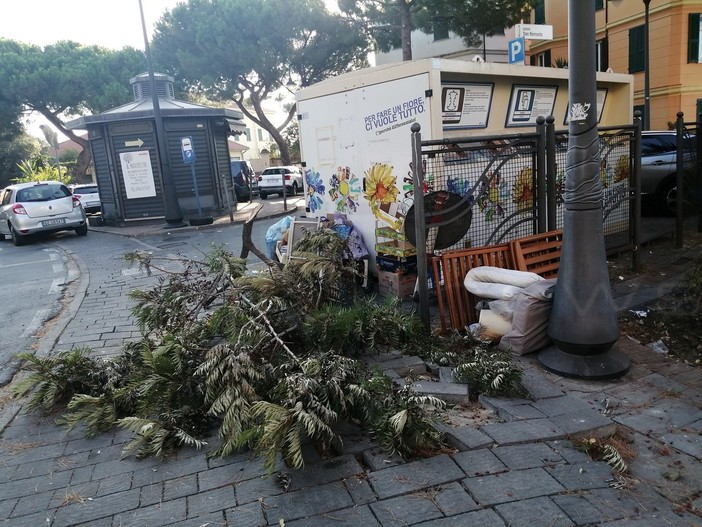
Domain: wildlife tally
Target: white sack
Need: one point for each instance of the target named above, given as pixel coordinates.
(497, 283)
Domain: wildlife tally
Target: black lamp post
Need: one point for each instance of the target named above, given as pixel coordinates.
(583, 323)
(173, 214)
(647, 82)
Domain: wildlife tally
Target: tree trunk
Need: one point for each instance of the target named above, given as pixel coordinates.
(405, 29)
(84, 158)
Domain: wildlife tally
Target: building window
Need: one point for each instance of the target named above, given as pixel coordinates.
(248, 134)
(540, 12)
(694, 53)
(541, 59)
(599, 4)
(260, 134)
(637, 37)
(441, 31)
(601, 54)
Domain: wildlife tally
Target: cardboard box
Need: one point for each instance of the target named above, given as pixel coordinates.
(394, 284)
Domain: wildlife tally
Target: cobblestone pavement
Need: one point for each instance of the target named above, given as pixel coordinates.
(520, 470)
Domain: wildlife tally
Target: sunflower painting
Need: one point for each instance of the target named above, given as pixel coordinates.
(345, 190)
(382, 192)
(492, 196)
(315, 190)
(523, 191)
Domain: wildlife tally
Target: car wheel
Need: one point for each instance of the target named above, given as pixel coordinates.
(82, 230)
(17, 238)
(667, 198)
(263, 195)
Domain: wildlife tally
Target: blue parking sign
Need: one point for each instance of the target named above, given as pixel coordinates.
(186, 145)
(515, 51)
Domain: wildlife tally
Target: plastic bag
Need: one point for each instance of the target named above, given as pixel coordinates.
(275, 232)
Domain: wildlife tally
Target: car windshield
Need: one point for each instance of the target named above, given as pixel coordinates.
(85, 190)
(42, 193)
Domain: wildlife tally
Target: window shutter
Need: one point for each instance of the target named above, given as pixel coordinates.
(693, 47)
(636, 49)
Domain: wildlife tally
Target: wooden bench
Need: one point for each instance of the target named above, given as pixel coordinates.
(539, 254)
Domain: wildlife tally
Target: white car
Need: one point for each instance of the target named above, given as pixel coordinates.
(88, 196)
(42, 206)
(271, 181)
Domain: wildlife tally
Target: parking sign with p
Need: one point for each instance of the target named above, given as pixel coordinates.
(515, 51)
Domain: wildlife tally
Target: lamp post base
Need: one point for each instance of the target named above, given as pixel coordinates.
(608, 365)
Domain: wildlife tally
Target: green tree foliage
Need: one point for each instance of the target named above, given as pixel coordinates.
(390, 22)
(39, 168)
(244, 51)
(65, 79)
(14, 149)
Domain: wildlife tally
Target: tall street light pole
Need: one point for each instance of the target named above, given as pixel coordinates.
(583, 322)
(173, 214)
(647, 82)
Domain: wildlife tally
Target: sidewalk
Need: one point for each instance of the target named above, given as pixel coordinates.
(518, 470)
(270, 208)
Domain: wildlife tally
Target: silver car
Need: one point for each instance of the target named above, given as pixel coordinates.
(658, 167)
(43, 206)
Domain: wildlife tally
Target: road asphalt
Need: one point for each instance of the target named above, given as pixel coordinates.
(519, 468)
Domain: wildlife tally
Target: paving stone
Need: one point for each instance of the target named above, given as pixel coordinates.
(538, 386)
(582, 476)
(464, 437)
(165, 513)
(585, 423)
(211, 501)
(495, 403)
(617, 504)
(686, 440)
(30, 504)
(660, 417)
(352, 517)
(453, 499)
(229, 474)
(579, 509)
(519, 412)
(567, 450)
(250, 515)
(451, 393)
(215, 519)
(413, 476)
(512, 486)
(306, 502)
(404, 364)
(325, 472)
(535, 511)
(256, 488)
(531, 455)
(561, 405)
(479, 462)
(151, 494)
(97, 509)
(377, 459)
(406, 510)
(29, 486)
(34, 520)
(665, 382)
(486, 517)
(7, 506)
(165, 471)
(360, 490)
(522, 431)
(179, 487)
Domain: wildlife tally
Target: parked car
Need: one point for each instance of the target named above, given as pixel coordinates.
(658, 167)
(244, 180)
(44, 206)
(271, 181)
(88, 196)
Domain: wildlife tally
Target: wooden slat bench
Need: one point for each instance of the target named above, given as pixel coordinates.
(539, 254)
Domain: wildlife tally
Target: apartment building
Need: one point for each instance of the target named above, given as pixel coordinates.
(675, 50)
